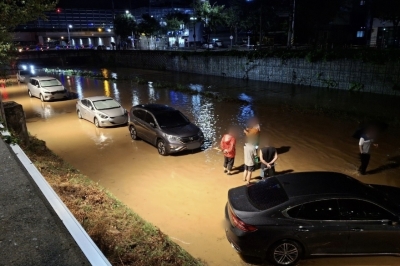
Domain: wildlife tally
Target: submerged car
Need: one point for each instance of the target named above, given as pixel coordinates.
(287, 217)
(164, 127)
(46, 89)
(102, 111)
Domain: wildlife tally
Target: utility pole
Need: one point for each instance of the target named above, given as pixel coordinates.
(290, 40)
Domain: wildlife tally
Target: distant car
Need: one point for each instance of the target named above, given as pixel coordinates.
(46, 89)
(87, 46)
(103, 47)
(102, 111)
(164, 127)
(23, 76)
(287, 217)
(208, 46)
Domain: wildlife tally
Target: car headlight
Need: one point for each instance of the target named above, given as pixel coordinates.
(103, 116)
(171, 137)
(47, 92)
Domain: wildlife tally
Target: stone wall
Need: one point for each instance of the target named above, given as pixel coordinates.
(341, 74)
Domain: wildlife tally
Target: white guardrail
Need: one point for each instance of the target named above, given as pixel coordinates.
(86, 244)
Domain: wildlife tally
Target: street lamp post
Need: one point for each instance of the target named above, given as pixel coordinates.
(69, 36)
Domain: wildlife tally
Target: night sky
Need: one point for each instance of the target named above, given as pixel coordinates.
(119, 4)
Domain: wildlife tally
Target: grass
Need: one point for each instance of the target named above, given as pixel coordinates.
(123, 237)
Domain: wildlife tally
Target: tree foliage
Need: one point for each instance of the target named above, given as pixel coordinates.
(124, 25)
(212, 16)
(388, 10)
(149, 25)
(13, 13)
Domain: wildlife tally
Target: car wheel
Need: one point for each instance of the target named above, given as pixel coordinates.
(79, 114)
(29, 93)
(133, 132)
(96, 122)
(162, 149)
(41, 97)
(285, 252)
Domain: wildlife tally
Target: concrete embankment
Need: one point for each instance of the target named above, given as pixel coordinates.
(31, 233)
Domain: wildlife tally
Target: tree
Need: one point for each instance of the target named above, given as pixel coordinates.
(389, 10)
(124, 25)
(12, 14)
(173, 25)
(211, 15)
(149, 25)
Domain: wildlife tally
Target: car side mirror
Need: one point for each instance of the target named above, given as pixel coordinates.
(91, 108)
(152, 125)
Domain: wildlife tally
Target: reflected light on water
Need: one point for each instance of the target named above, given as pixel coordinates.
(107, 88)
(245, 97)
(152, 96)
(245, 112)
(196, 87)
(43, 110)
(135, 98)
(78, 82)
(116, 92)
(178, 99)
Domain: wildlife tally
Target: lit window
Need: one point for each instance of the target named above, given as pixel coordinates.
(360, 34)
(362, 2)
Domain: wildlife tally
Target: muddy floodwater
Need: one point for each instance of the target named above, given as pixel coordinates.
(185, 194)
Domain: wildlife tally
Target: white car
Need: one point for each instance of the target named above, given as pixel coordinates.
(46, 89)
(23, 75)
(102, 111)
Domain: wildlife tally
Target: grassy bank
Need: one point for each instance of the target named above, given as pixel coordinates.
(123, 237)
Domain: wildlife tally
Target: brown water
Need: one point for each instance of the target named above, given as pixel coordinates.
(185, 194)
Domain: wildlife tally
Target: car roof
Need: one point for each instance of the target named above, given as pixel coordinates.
(98, 98)
(320, 184)
(43, 78)
(155, 108)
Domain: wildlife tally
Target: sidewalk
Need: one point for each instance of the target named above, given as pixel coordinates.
(31, 233)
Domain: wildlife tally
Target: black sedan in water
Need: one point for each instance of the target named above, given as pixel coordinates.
(287, 217)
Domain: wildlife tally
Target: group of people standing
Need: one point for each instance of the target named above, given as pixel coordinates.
(266, 156)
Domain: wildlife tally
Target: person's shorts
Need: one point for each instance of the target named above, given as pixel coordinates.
(228, 162)
(249, 168)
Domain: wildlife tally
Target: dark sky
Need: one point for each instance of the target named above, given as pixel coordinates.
(105, 4)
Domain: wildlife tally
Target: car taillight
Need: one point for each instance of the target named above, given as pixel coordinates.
(239, 223)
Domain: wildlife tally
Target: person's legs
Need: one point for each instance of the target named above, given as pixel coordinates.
(245, 174)
(365, 157)
(225, 164)
(230, 163)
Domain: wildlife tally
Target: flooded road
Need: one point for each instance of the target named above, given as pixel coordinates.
(185, 194)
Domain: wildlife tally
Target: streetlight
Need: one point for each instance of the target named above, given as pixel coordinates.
(69, 36)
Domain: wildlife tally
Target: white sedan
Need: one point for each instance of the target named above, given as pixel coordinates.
(102, 111)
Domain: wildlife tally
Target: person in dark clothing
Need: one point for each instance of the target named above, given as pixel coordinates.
(268, 156)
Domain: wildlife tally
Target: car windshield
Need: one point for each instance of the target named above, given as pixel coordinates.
(106, 104)
(267, 194)
(171, 119)
(50, 83)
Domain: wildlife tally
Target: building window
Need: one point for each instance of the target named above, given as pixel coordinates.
(360, 34)
(362, 2)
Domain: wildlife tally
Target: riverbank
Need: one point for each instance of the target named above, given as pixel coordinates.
(123, 237)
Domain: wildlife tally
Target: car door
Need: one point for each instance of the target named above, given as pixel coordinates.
(319, 227)
(83, 108)
(91, 113)
(32, 87)
(138, 120)
(372, 229)
(150, 128)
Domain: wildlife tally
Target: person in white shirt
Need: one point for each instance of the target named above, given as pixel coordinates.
(364, 145)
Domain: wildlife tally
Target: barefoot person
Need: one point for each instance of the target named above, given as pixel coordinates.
(366, 140)
(249, 164)
(268, 156)
(228, 143)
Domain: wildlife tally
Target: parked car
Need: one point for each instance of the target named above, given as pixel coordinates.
(46, 88)
(23, 75)
(207, 46)
(287, 217)
(164, 127)
(102, 111)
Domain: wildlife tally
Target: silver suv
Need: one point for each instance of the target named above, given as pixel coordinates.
(46, 89)
(164, 127)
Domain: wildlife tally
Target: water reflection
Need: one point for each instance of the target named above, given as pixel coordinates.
(41, 109)
(100, 137)
(178, 99)
(152, 94)
(135, 98)
(78, 82)
(196, 87)
(107, 88)
(116, 92)
(245, 112)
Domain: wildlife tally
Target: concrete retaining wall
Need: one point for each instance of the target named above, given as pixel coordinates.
(341, 74)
